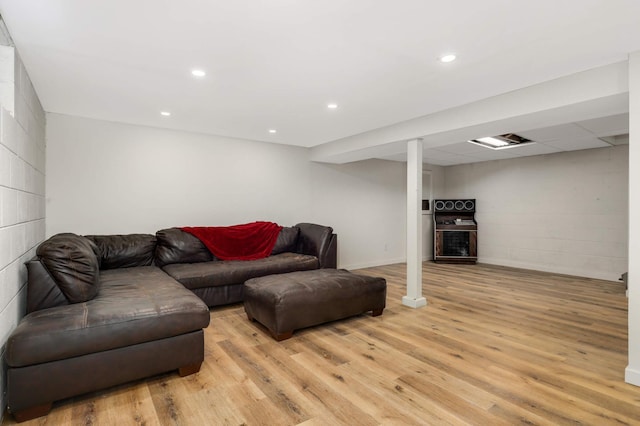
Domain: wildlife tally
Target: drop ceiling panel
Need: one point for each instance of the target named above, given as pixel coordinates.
(564, 131)
(453, 161)
(576, 144)
(530, 149)
(607, 126)
(464, 159)
(461, 148)
(439, 155)
(490, 154)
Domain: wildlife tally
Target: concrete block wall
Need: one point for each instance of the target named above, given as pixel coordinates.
(565, 213)
(22, 198)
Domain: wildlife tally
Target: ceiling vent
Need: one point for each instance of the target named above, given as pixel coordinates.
(508, 140)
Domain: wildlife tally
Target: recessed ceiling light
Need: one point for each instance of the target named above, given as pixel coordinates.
(332, 106)
(198, 73)
(273, 131)
(494, 142)
(165, 113)
(508, 140)
(448, 58)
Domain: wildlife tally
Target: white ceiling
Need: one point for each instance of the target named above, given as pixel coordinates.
(276, 64)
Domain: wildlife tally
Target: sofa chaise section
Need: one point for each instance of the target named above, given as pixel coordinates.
(107, 309)
(139, 323)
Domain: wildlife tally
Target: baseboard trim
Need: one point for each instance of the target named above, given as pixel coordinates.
(632, 376)
(414, 303)
(543, 268)
(373, 264)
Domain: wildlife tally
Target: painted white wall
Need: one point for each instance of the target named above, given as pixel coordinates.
(22, 189)
(632, 373)
(351, 198)
(365, 203)
(108, 178)
(564, 213)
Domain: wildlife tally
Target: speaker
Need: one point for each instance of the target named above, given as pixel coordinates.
(455, 206)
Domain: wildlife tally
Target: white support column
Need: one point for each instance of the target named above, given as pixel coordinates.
(632, 372)
(414, 297)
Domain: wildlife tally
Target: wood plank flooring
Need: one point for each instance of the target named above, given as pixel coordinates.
(493, 346)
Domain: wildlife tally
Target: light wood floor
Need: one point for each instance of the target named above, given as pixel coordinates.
(493, 346)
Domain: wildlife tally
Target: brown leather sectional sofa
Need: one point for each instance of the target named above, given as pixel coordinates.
(302, 247)
(105, 310)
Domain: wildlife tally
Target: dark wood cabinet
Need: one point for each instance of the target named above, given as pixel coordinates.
(455, 230)
(456, 246)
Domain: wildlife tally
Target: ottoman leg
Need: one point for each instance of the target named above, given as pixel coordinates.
(282, 336)
(376, 312)
(189, 369)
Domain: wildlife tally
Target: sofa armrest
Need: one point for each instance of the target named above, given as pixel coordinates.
(319, 241)
(329, 258)
(42, 290)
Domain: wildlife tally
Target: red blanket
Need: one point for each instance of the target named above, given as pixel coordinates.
(238, 242)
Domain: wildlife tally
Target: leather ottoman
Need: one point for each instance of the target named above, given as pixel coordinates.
(287, 302)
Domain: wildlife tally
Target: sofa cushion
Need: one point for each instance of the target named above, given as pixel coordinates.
(287, 240)
(176, 246)
(135, 305)
(228, 272)
(124, 251)
(73, 263)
